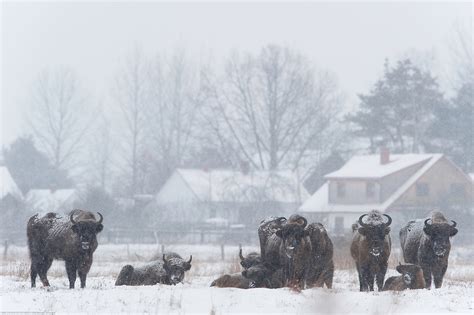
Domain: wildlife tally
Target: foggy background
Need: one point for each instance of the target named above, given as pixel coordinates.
(104, 101)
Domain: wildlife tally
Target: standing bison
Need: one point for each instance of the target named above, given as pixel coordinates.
(295, 251)
(321, 267)
(170, 270)
(73, 240)
(370, 249)
(426, 243)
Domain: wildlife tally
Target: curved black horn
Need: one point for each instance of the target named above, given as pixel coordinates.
(72, 220)
(360, 220)
(454, 223)
(190, 259)
(101, 218)
(389, 220)
(305, 221)
(426, 222)
(240, 254)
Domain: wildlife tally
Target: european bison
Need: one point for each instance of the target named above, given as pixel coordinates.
(264, 276)
(237, 280)
(169, 270)
(321, 266)
(411, 278)
(426, 243)
(269, 241)
(295, 251)
(72, 239)
(370, 249)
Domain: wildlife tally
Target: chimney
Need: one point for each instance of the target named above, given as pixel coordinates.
(384, 155)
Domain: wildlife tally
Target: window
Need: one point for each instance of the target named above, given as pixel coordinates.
(370, 190)
(341, 189)
(422, 189)
(457, 190)
(339, 225)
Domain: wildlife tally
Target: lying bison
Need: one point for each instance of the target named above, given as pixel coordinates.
(411, 278)
(321, 266)
(237, 280)
(264, 276)
(370, 249)
(170, 270)
(426, 243)
(72, 239)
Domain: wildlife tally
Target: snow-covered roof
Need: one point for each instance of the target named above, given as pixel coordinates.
(48, 200)
(369, 166)
(235, 186)
(319, 201)
(7, 184)
(471, 175)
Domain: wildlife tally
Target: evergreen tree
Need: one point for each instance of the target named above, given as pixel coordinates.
(399, 109)
(31, 169)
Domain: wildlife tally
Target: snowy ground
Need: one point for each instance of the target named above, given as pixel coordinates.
(195, 295)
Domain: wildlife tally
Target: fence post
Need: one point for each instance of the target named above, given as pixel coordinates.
(5, 250)
(222, 252)
(162, 248)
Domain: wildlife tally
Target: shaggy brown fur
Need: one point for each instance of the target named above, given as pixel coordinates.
(411, 278)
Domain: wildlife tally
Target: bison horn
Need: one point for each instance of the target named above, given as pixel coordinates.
(164, 257)
(101, 218)
(240, 254)
(454, 223)
(70, 218)
(190, 259)
(426, 222)
(389, 220)
(360, 220)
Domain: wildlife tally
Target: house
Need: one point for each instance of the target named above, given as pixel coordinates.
(406, 186)
(51, 200)
(10, 194)
(226, 197)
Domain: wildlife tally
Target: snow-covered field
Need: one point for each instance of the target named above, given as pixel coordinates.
(195, 295)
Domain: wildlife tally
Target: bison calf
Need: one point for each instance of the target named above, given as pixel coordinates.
(411, 278)
(170, 270)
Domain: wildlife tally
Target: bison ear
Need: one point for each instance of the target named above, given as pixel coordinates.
(453, 231)
(75, 228)
(387, 230)
(279, 233)
(362, 230)
(99, 228)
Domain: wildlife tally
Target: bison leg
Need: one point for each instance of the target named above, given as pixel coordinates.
(71, 270)
(328, 276)
(361, 280)
(427, 275)
(438, 274)
(381, 276)
(84, 268)
(43, 268)
(33, 274)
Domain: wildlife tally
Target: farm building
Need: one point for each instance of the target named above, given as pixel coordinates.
(227, 197)
(51, 200)
(406, 186)
(10, 194)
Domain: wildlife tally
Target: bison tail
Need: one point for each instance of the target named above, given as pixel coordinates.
(125, 275)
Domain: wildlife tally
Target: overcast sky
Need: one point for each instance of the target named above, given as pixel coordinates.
(350, 39)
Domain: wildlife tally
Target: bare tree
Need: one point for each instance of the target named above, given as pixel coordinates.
(131, 95)
(101, 151)
(271, 108)
(58, 116)
(462, 65)
(174, 100)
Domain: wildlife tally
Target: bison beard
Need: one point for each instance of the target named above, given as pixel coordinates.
(370, 249)
(73, 240)
(426, 243)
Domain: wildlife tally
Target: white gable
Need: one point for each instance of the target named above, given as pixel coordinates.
(47, 200)
(7, 184)
(368, 166)
(232, 186)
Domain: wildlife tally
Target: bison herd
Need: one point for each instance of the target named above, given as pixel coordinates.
(293, 253)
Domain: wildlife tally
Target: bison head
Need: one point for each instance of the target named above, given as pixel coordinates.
(175, 268)
(292, 235)
(375, 234)
(257, 274)
(250, 260)
(86, 230)
(439, 234)
(409, 273)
